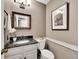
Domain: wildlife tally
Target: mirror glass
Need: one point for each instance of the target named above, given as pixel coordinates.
(22, 20)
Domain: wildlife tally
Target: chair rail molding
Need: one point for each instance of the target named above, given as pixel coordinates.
(64, 44)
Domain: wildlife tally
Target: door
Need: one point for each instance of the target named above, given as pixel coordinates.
(2, 26)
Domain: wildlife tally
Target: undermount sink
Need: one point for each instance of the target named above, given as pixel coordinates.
(22, 42)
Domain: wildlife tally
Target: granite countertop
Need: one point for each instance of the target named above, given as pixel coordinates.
(13, 45)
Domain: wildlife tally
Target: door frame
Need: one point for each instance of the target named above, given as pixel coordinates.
(2, 26)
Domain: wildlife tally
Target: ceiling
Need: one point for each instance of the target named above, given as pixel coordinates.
(43, 1)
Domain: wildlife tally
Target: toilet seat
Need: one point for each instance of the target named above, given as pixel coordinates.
(46, 54)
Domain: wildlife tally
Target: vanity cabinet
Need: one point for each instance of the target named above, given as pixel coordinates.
(22, 52)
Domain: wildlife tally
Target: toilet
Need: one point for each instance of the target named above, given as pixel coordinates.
(45, 54)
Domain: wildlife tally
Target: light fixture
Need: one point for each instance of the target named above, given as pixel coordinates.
(23, 3)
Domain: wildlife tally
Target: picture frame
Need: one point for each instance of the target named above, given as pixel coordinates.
(21, 20)
(5, 19)
(60, 17)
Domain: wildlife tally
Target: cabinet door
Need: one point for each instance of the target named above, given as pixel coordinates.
(14, 57)
(30, 56)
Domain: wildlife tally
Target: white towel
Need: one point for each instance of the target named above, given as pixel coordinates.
(9, 22)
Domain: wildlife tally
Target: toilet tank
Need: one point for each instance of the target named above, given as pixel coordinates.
(41, 43)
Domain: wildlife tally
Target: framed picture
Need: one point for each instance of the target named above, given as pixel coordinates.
(5, 19)
(60, 18)
(21, 21)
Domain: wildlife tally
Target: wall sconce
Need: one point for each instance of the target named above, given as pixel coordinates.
(23, 3)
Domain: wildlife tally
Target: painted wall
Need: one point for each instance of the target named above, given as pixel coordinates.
(67, 36)
(37, 12)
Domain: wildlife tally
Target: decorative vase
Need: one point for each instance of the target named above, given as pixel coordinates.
(14, 39)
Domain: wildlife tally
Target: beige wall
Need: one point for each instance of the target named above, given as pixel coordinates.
(37, 12)
(67, 36)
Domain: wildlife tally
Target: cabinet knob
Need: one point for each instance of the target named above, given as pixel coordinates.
(24, 57)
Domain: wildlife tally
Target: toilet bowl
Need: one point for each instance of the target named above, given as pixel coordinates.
(45, 54)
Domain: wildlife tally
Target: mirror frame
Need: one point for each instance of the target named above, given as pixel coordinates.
(13, 20)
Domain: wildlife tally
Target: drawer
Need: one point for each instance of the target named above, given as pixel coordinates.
(29, 47)
(14, 57)
(30, 52)
(13, 51)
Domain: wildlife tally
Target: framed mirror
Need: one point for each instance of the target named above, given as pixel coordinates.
(21, 21)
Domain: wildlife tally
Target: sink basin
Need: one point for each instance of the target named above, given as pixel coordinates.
(22, 42)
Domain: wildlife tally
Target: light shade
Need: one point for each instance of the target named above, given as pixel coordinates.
(20, 1)
(25, 2)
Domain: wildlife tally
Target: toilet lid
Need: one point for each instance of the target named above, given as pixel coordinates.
(47, 54)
